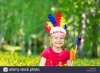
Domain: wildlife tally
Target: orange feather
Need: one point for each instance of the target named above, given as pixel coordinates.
(72, 54)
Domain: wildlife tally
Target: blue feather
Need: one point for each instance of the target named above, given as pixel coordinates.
(65, 27)
(78, 41)
(52, 19)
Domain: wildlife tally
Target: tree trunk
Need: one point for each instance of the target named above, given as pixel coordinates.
(94, 46)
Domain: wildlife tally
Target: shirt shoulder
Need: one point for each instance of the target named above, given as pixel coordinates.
(67, 54)
(45, 52)
(66, 51)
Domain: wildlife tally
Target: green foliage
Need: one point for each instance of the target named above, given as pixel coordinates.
(80, 12)
(19, 19)
(28, 15)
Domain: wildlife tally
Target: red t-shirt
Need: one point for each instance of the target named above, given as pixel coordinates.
(55, 59)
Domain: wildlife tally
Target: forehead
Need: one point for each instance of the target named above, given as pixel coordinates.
(58, 35)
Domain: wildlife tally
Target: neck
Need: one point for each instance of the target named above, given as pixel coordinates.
(57, 49)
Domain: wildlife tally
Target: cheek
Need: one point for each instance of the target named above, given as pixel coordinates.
(53, 40)
(63, 41)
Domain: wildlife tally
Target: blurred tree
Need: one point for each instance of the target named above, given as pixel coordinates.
(26, 15)
(22, 18)
(75, 12)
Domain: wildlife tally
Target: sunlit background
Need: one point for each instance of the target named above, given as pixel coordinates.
(23, 37)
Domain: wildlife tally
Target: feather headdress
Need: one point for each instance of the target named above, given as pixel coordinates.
(56, 25)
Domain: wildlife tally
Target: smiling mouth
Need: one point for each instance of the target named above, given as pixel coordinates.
(58, 43)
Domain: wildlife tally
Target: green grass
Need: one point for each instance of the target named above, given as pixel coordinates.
(18, 59)
(87, 62)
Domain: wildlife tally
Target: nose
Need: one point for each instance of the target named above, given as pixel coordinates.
(58, 40)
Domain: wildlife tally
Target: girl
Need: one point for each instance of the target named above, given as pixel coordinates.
(55, 55)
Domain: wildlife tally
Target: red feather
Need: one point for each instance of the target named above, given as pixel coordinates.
(47, 27)
(58, 18)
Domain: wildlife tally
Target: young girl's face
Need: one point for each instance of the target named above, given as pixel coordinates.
(58, 40)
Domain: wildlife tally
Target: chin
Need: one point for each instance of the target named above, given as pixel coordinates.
(59, 46)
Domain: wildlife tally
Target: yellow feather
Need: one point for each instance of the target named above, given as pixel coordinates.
(62, 23)
(50, 25)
